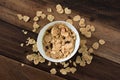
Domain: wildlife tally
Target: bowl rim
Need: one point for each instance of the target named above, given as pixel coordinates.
(40, 42)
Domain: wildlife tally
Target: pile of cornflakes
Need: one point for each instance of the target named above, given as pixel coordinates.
(84, 55)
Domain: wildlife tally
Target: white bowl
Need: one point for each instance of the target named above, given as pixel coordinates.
(41, 35)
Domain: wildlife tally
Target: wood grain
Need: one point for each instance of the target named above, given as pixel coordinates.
(12, 70)
(10, 8)
(10, 47)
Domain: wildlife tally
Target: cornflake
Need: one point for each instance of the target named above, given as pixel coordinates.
(90, 50)
(25, 32)
(34, 47)
(35, 25)
(92, 28)
(22, 64)
(22, 44)
(53, 71)
(59, 9)
(78, 59)
(50, 18)
(69, 21)
(49, 63)
(67, 11)
(82, 22)
(26, 18)
(95, 45)
(43, 16)
(63, 71)
(76, 18)
(38, 13)
(74, 64)
(20, 17)
(49, 10)
(73, 69)
(36, 18)
(101, 41)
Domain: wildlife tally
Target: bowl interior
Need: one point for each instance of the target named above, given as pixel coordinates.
(41, 35)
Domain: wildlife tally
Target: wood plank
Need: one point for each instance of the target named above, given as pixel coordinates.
(9, 8)
(99, 69)
(12, 70)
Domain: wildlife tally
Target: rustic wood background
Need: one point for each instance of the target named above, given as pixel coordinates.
(104, 14)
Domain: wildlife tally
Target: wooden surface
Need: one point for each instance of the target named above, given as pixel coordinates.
(106, 62)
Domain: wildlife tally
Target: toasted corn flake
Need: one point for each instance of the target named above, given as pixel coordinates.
(92, 28)
(36, 18)
(49, 10)
(49, 63)
(67, 11)
(69, 21)
(20, 17)
(35, 25)
(50, 18)
(74, 64)
(53, 71)
(76, 18)
(90, 50)
(43, 16)
(38, 13)
(95, 45)
(63, 71)
(78, 59)
(26, 18)
(101, 41)
(73, 69)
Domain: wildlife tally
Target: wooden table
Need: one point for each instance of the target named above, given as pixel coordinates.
(105, 15)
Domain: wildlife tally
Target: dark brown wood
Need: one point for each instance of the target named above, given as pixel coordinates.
(12, 70)
(9, 9)
(10, 47)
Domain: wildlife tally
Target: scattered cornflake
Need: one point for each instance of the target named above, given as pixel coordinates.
(82, 22)
(88, 58)
(83, 42)
(36, 25)
(76, 18)
(83, 48)
(53, 71)
(69, 21)
(30, 41)
(34, 47)
(22, 44)
(38, 13)
(74, 64)
(88, 27)
(78, 60)
(101, 41)
(36, 18)
(31, 57)
(70, 61)
(82, 63)
(20, 17)
(95, 45)
(67, 11)
(56, 63)
(63, 71)
(92, 28)
(90, 50)
(88, 34)
(43, 16)
(49, 10)
(25, 32)
(50, 17)
(59, 9)
(26, 18)
(49, 63)
(65, 65)
(73, 69)
(22, 64)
